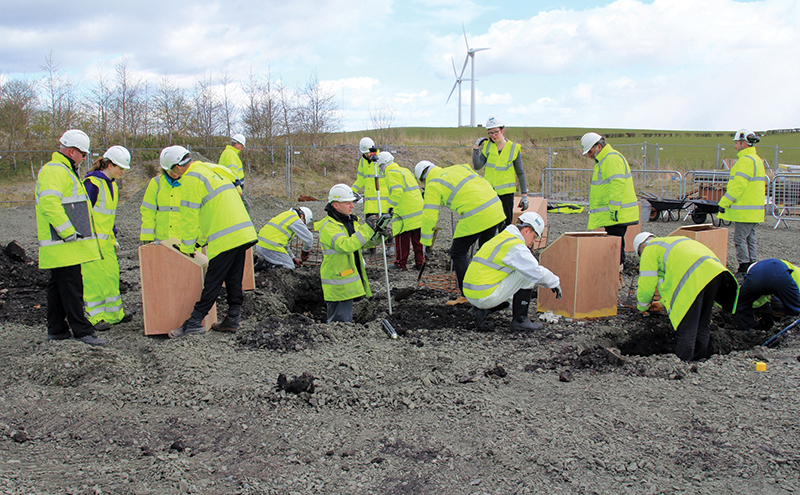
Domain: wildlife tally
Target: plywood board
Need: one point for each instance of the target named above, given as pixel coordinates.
(714, 238)
(588, 265)
(249, 275)
(633, 231)
(537, 205)
(171, 285)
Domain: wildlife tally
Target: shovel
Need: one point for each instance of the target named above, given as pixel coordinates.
(407, 291)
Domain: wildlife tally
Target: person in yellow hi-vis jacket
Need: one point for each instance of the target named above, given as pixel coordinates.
(342, 238)
(459, 188)
(161, 208)
(503, 162)
(743, 202)
(66, 238)
(212, 215)
(405, 199)
(690, 279)
(101, 277)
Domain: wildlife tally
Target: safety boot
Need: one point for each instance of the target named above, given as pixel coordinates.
(480, 315)
(230, 324)
(519, 310)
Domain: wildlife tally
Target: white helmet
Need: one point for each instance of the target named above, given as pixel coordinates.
(494, 122)
(590, 139)
(239, 138)
(421, 169)
(747, 136)
(119, 156)
(640, 238)
(174, 155)
(366, 145)
(75, 138)
(307, 213)
(533, 220)
(341, 193)
(384, 158)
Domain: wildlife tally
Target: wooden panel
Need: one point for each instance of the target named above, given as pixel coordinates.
(249, 276)
(537, 205)
(714, 238)
(588, 265)
(171, 284)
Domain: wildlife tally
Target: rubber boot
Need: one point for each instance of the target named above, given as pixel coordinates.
(519, 319)
(480, 315)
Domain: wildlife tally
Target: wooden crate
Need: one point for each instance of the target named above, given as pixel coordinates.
(588, 265)
(714, 238)
(171, 284)
(537, 205)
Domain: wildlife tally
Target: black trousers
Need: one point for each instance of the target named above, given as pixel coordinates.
(228, 267)
(65, 304)
(694, 330)
(507, 200)
(618, 231)
(459, 251)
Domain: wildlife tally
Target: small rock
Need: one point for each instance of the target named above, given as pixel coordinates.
(20, 437)
(14, 251)
(377, 460)
(565, 376)
(177, 446)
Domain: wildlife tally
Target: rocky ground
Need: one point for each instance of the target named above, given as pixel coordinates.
(292, 405)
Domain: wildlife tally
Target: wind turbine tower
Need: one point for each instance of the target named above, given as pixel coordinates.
(457, 83)
(471, 55)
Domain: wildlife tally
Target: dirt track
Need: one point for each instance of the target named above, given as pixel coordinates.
(444, 409)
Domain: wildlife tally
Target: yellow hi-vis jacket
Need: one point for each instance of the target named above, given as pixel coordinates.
(500, 170)
(341, 279)
(365, 185)
(230, 158)
(59, 190)
(680, 267)
(161, 210)
(487, 269)
(276, 234)
(101, 296)
(744, 197)
(459, 188)
(212, 212)
(612, 197)
(405, 197)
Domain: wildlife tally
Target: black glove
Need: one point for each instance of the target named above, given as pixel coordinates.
(372, 221)
(722, 210)
(614, 215)
(373, 158)
(191, 255)
(557, 291)
(304, 255)
(480, 142)
(383, 221)
(523, 203)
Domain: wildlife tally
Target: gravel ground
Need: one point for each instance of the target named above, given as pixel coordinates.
(444, 409)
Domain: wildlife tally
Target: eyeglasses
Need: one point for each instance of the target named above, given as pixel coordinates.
(492, 133)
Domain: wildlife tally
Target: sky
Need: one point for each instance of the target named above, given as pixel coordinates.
(659, 64)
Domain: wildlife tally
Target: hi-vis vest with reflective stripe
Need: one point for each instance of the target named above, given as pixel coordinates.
(276, 234)
(340, 278)
(230, 158)
(405, 197)
(500, 166)
(59, 187)
(459, 188)
(744, 197)
(104, 210)
(365, 184)
(612, 191)
(212, 212)
(680, 267)
(487, 270)
(161, 210)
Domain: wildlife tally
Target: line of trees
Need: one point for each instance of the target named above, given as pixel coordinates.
(121, 108)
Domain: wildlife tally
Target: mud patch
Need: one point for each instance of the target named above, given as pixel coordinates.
(286, 334)
(23, 289)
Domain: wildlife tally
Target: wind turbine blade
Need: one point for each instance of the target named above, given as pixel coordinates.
(452, 91)
(455, 73)
(479, 50)
(465, 35)
(466, 61)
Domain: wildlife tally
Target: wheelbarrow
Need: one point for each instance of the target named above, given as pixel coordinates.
(702, 208)
(664, 209)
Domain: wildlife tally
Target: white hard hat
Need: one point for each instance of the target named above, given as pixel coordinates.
(341, 193)
(421, 169)
(384, 158)
(588, 140)
(494, 122)
(309, 216)
(639, 239)
(75, 138)
(119, 156)
(747, 136)
(533, 220)
(239, 138)
(174, 155)
(366, 145)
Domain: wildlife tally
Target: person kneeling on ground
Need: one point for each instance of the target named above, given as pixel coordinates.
(272, 250)
(764, 279)
(342, 238)
(690, 279)
(505, 268)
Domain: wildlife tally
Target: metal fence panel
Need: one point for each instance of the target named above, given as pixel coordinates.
(785, 198)
(573, 184)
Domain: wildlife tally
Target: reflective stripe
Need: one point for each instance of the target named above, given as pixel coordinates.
(410, 215)
(169, 209)
(270, 242)
(229, 230)
(493, 265)
(189, 204)
(104, 211)
(482, 207)
(105, 237)
(329, 251)
(148, 231)
(149, 206)
(49, 192)
(344, 281)
(64, 226)
(648, 273)
(744, 207)
(686, 276)
(501, 186)
(600, 210)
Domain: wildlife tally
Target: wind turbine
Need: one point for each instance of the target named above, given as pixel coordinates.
(458, 83)
(471, 55)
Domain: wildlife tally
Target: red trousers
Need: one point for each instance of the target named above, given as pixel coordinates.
(402, 246)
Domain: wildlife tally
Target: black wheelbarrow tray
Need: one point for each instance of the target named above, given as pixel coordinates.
(665, 209)
(701, 208)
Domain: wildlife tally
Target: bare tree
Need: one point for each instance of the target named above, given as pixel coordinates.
(227, 106)
(128, 102)
(262, 115)
(102, 100)
(18, 102)
(171, 109)
(206, 111)
(381, 120)
(318, 110)
(61, 110)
